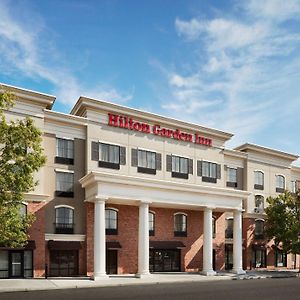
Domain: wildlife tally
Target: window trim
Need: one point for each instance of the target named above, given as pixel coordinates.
(259, 236)
(231, 183)
(209, 178)
(180, 174)
(66, 194)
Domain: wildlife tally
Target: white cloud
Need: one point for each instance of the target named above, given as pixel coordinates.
(244, 68)
(22, 48)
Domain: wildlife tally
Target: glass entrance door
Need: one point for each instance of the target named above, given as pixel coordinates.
(164, 260)
(16, 265)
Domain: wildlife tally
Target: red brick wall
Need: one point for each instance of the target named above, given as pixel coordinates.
(191, 255)
(37, 233)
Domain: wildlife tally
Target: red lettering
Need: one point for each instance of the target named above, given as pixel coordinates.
(145, 128)
(113, 120)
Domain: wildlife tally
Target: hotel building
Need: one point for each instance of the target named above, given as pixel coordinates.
(125, 191)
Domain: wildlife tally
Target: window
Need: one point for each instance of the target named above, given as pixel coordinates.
(64, 220)
(214, 227)
(146, 162)
(111, 221)
(151, 223)
(293, 186)
(64, 151)
(258, 180)
(280, 184)
(259, 204)
(229, 229)
(280, 258)
(179, 167)
(4, 264)
(180, 228)
(259, 258)
(23, 210)
(209, 172)
(231, 177)
(64, 184)
(259, 229)
(109, 156)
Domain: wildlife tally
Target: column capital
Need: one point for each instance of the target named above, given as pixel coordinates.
(144, 201)
(239, 210)
(99, 198)
(207, 208)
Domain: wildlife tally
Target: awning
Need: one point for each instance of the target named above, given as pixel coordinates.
(259, 247)
(113, 246)
(30, 246)
(166, 244)
(64, 245)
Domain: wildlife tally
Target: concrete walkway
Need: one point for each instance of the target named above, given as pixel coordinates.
(17, 285)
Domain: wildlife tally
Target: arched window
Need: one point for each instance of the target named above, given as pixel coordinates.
(259, 229)
(258, 180)
(180, 225)
(229, 228)
(280, 184)
(151, 223)
(64, 219)
(23, 210)
(214, 226)
(111, 221)
(259, 204)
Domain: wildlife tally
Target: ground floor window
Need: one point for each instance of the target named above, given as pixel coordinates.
(63, 263)
(111, 262)
(280, 259)
(228, 259)
(16, 264)
(259, 258)
(164, 260)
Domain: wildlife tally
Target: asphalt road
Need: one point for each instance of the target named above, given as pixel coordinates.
(287, 288)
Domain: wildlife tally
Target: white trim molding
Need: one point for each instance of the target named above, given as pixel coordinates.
(65, 237)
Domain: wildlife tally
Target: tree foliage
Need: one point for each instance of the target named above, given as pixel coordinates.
(283, 221)
(21, 155)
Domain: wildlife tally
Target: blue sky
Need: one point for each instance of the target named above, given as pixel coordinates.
(230, 65)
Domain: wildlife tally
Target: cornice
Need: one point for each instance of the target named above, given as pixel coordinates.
(95, 177)
(84, 103)
(64, 118)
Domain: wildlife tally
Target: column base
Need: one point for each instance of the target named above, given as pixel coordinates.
(208, 272)
(143, 275)
(97, 277)
(239, 271)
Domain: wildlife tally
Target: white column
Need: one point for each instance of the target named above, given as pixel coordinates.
(237, 243)
(208, 243)
(143, 250)
(99, 240)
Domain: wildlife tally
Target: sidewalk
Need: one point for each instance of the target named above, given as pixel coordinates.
(17, 285)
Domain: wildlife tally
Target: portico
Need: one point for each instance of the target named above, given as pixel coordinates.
(103, 188)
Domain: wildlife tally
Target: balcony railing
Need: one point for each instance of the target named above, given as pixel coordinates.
(64, 228)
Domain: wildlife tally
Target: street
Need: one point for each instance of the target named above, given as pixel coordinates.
(284, 288)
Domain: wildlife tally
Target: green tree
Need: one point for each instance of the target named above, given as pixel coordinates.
(21, 155)
(283, 221)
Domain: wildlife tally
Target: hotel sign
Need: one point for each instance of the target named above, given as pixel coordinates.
(128, 123)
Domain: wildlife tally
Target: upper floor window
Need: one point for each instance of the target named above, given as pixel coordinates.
(280, 184)
(151, 223)
(23, 210)
(231, 177)
(259, 229)
(111, 221)
(64, 184)
(146, 162)
(64, 151)
(259, 204)
(293, 186)
(209, 171)
(229, 228)
(64, 220)
(179, 166)
(258, 180)
(107, 155)
(180, 224)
